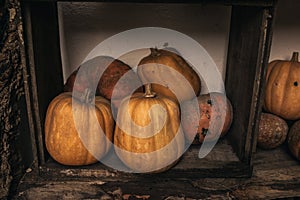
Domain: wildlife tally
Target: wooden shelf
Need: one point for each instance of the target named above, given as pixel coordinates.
(247, 57)
(220, 159)
(264, 3)
(276, 175)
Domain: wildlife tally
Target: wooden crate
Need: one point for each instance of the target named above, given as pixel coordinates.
(247, 57)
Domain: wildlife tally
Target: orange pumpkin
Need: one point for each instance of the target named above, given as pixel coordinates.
(166, 67)
(62, 138)
(283, 88)
(215, 117)
(148, 137)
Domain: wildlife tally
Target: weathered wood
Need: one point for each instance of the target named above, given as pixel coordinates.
(45, 68)
(276, 175)
(220, 162)
(247, 52)
(264, 3)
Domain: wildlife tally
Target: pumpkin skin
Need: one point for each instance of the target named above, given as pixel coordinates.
(62, 138)
(294, 139)
(212, 108)
(106, 85)
(150, 143)
(272, 131)
(149, 70)
(283, 88)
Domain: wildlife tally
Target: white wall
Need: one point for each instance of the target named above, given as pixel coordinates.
(87, 24)
(84, 25)
(286, 36)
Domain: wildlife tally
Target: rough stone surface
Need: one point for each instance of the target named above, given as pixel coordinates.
(11, 90)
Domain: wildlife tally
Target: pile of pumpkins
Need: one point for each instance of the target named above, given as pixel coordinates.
(160, 127)
(281, 106)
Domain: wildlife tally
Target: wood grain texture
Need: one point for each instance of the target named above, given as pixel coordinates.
(43, 62)
(220, 162)
(247, 54)
(276, 175)
(265, 3)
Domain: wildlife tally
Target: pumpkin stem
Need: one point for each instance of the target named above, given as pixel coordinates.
(87, 96)
(295, 57)
(154, 52)
(148, 91)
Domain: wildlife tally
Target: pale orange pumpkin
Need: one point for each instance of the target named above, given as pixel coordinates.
(283, 88)
(62, 138)
(156, 141)
(166, 67)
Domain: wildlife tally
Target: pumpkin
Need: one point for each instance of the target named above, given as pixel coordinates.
(165, 69)
(215, 117)
(112, 70)
(148, 137)
(283, 88)
(81, 143)
(272, 131)
(294, 139)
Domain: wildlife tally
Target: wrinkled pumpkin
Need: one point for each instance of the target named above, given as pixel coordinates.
(272, 131)
(283, 88)
(294, 139)
(112, 71)
(214, 121)
(62, 138)
(166, 70)
(148, 137)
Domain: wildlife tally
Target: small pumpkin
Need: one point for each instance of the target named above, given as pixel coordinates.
(294, 139)
(272, 131)
(112, 71)
(62, 138)
(148, 137)
(215, 117)
(163, 68)
(283, 88)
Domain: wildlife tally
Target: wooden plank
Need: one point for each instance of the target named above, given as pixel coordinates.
(220, 162)
(264, 3)
(29, 90)
(276, 175)
(44, 60)
(247, 49)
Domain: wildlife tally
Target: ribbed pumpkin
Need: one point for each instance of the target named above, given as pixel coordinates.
(215, 117)
(294, 139)
(150, 70)
(148, 137)
(283, 88)
(62, 138)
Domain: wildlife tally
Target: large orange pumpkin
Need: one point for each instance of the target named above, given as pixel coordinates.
(148, 137)
(151, 69)
(62, 138)
(283, 88)
(215, 117)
